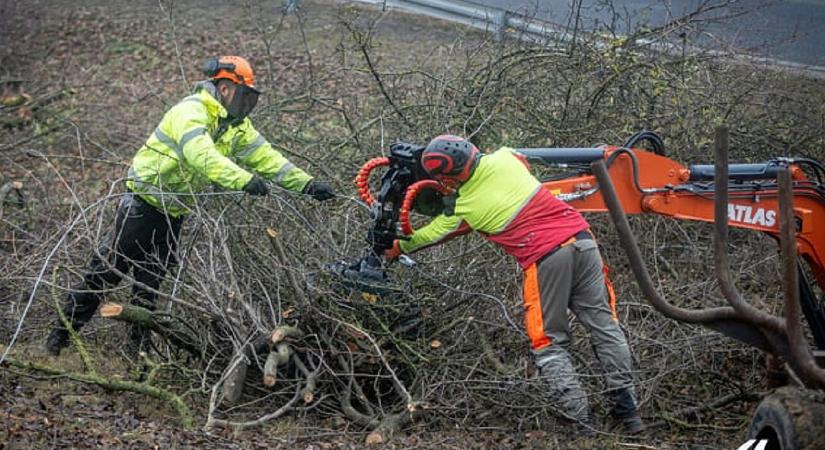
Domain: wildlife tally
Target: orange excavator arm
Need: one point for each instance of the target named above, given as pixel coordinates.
(650, 183)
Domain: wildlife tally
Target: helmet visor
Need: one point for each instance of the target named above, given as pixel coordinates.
(243, 102)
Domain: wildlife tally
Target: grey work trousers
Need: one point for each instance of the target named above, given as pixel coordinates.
(572, 277)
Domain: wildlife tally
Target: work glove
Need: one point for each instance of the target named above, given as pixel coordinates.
(319, 190)
(256, 186)
(391, 254)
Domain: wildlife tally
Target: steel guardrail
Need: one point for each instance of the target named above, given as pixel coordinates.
(502, 22)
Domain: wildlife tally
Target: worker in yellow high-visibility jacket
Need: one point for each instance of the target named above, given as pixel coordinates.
(205, 139)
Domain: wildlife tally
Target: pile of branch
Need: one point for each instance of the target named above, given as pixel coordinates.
(266, 334)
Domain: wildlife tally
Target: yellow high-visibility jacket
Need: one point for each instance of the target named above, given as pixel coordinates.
(188, 151)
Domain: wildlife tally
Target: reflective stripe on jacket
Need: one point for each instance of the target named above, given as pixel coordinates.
(185, 154)
(506, 203)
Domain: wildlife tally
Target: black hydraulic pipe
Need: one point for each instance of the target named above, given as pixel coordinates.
(562, 155)
(739, 172)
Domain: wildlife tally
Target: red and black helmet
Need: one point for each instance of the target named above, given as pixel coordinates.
(450, 157)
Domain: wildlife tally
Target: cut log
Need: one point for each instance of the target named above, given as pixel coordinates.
(374, 438)
(160, 323)
(111, 310)
(284, 353)
(233, 386)
(271, 369)
(284, 331)
(387, 428)
(279, 357)
(308, 392)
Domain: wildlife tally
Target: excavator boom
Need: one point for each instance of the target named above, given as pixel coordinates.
(645, 182)
(650, 183)
(783, 198)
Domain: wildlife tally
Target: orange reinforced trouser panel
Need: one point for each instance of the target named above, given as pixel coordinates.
(533, 320)
(611, 293)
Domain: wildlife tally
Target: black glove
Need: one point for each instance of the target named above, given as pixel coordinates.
(256, 186)
(319, 190)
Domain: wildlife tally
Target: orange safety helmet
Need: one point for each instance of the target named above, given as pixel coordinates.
(233, 68)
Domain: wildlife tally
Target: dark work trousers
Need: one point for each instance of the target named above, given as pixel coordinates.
(143, 241)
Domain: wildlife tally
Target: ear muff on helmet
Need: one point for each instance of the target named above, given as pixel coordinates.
(233, 68)
(450, 157)
(212, 66)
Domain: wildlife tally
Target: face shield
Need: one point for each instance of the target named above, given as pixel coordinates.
(243, 102)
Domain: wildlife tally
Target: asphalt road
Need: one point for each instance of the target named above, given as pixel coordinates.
(791, 30)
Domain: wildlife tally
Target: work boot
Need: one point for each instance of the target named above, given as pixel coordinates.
(631, 425)
(625, 411)
(556, 368)
(58, 340)
(585, 428)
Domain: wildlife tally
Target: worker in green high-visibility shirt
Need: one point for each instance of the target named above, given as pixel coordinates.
(497, 196)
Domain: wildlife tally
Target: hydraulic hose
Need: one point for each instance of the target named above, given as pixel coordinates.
(409, 198)
(634, 165)
(362, 179)
(655, 141)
